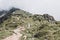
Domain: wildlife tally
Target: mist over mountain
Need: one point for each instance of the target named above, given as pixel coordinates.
(29, 19)
(50, 7)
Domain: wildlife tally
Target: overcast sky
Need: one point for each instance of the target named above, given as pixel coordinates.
(51, 7)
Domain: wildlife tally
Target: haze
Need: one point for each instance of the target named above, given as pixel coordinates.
(51, 7)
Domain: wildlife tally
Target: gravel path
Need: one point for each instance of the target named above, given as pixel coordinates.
(16, 35)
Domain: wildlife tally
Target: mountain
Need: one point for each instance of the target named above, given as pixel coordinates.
(38, 27)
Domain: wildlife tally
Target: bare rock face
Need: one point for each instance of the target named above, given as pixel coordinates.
(48, 17)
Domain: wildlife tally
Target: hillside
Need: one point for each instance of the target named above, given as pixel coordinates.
(37, 27)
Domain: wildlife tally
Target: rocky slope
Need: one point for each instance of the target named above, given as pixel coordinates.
(38, 27)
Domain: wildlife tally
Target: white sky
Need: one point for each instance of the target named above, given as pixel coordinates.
(51, 7)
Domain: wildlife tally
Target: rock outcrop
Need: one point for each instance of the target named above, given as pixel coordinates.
(6, 14)
(48, 17)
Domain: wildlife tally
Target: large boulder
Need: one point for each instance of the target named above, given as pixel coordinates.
(48, 17)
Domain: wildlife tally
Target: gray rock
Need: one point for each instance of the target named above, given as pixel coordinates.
(48, 17)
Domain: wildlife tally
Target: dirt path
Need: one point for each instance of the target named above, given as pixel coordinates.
(16, 35)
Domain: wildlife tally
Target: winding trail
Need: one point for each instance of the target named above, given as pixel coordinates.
(16, 35)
